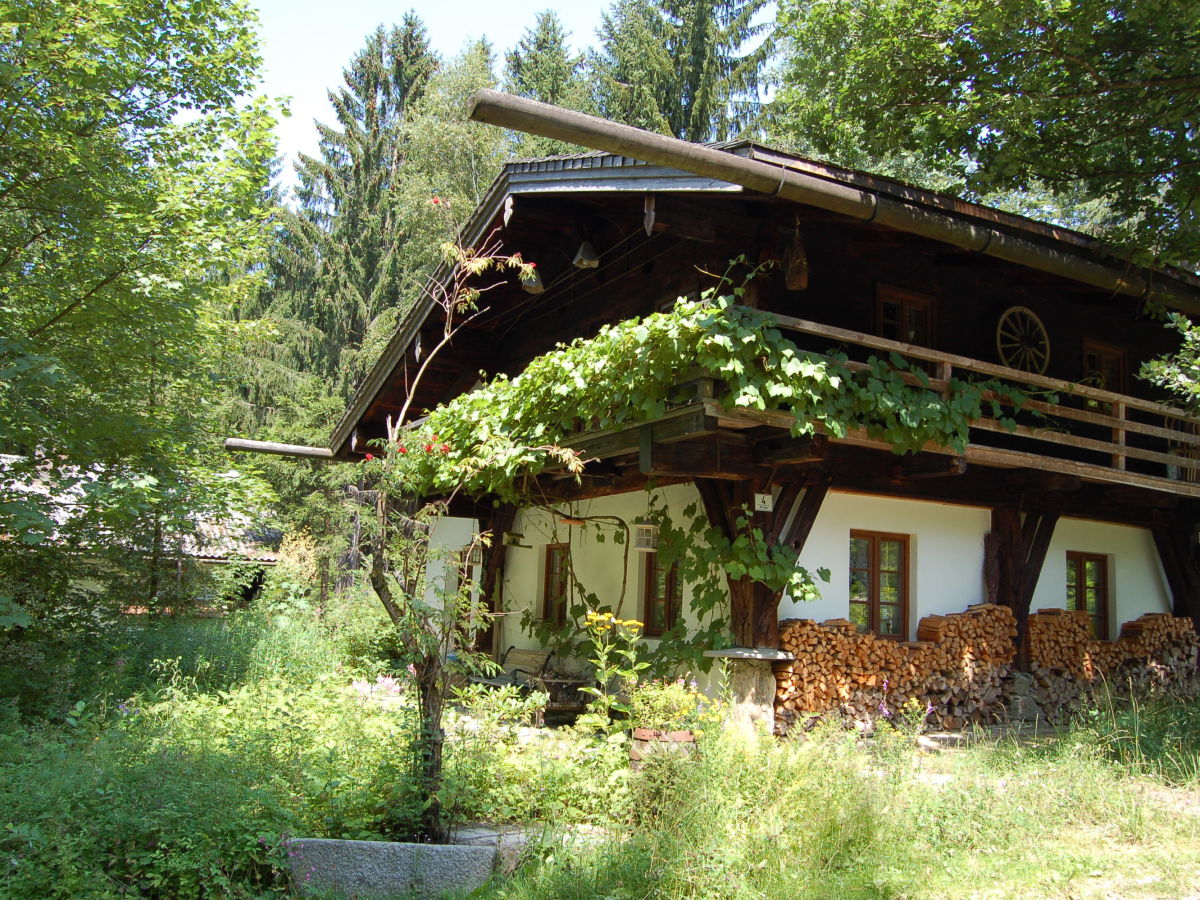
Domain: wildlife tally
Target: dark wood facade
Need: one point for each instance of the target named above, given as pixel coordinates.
(1098, 443)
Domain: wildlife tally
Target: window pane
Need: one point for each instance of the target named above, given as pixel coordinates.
(889, 587)
(889, 619)
(889, 320)
(916, 325)
(860, 616)
(858, 587)
(860, 553)
(890, 554)
(658, 615)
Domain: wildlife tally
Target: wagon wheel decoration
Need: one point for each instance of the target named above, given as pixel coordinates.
(1022, 341)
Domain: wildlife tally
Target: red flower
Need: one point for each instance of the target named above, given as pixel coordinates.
(370, 457)
(436, 200)
(445, 448)
(429, 448)
(533, 265)
(403, 449)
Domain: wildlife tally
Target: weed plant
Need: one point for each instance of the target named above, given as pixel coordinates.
(1156, 735)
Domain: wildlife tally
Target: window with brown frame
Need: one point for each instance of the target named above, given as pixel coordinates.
(557, 586)
(660, 596)
(879, 583)
(905, 316)
(1104, 366)
(1087, 588)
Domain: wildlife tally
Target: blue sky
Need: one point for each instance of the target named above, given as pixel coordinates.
(306, 44)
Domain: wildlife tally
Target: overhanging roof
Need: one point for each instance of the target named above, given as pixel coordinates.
(598, 172)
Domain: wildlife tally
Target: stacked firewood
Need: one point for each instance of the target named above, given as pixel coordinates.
(956, 667)
(1154, 649)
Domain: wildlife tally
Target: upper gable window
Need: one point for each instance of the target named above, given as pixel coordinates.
(1104, 366)
(904, 316)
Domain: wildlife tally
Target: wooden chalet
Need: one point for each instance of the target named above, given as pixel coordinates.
(1093, 502)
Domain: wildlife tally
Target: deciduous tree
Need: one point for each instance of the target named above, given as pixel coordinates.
(1098, 97)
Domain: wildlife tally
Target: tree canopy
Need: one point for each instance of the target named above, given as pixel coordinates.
(1100, 97)
(689, 68)
(130, 205)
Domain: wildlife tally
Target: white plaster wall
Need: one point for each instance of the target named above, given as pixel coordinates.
(598, 564)
(1135, 577)
(945, 554)
(945, 558)
(450, 534)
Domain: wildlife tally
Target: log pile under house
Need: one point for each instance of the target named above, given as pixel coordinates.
(868, 267)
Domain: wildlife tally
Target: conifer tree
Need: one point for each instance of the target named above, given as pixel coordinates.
(679, 66)
(542, 67)
(339, 255)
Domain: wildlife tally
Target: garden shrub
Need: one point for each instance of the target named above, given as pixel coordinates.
(106, 815)
(496, 771)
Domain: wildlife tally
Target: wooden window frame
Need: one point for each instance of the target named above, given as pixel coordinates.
(873, 570)
(886, 293)
(1078, 560)
(671, 602)
(556, 616)
(1091, 346)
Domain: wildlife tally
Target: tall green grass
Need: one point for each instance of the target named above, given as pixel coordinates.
(833, 816)
(1157, 735)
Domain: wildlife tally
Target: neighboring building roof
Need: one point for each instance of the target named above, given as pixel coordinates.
(234, 536)
(231, 539)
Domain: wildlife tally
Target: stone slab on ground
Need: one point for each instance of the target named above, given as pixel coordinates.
(378, 869)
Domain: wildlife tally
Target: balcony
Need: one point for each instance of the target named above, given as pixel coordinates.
(1062, 426)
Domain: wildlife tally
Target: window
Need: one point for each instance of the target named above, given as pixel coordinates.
(879, 583)
(1104, 366)
(1087, 588)
(904, 316)
(557, 588)
(660, 596)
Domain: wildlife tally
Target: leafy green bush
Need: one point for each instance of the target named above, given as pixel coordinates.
(496, 771)
(106, 815)
(669, 705)
(341, 755)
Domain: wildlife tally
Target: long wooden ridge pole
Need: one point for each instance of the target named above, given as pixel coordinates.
(534, 117)
(247, 446)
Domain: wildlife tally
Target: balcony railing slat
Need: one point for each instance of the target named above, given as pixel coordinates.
(974, 365)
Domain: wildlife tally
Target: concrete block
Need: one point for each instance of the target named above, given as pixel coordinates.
(366, 870)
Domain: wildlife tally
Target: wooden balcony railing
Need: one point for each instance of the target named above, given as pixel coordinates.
(1061, 427)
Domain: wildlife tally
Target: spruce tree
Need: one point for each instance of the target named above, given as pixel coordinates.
(339, 254)
(679, 66)
(542, 67)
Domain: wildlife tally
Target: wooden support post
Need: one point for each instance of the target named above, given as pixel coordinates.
(1014, 554)
(1173, 538)
(493, 569)
(754, 607)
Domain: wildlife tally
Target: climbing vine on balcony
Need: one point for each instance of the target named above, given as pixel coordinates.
(493, 439)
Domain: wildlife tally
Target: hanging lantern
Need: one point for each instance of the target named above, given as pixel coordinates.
(645, 537)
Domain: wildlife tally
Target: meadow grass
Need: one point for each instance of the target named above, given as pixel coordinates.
(1101, 810)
